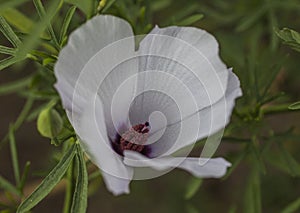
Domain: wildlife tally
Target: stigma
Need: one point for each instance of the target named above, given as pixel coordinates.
(135, 138)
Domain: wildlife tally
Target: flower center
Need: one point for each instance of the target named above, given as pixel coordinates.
(135, 138)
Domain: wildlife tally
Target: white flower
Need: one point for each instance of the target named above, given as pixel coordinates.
(133, 109)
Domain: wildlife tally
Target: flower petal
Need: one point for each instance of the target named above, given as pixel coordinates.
(91, 130)
(199, 167)
(212, 119)
(188, 54)
(92, 37)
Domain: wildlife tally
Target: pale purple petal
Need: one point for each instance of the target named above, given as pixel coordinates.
(212, 119)
(199, 167)
(187, 54)
(91, 130)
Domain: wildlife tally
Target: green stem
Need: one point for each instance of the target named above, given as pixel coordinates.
(276, 109)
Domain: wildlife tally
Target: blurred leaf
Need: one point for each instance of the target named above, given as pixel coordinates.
(232, 209)
(66, 24)
(160, 4)
(49, 123)
(292, 207)
(14, 154)
(106, 6)
(10, 4)
(15, 86)
(250, 19)
(85, 6)
(192, 187)
(295, 106)
(18, 20)
(237, 160)
(9, 33)
(290, 37)
(49, 182)
(191, 20)
(290, 161)
(191, 209)
(4, 184)
(79, 203)
(9, 61)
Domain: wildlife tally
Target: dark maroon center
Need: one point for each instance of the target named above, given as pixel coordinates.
(135, 138)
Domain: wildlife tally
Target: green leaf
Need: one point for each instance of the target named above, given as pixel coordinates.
(10, 4)
(18, 20)
(292, 207)
(85, 6)
(14, 154)
(160, 4)
(191, 20)
(49, 123)
(66, 24)
(32, 40)
(24, 175)
(295, 106)
(15, 86)
(42, 13)
(107, 5)
(7, 50)
(290, 37)
(9, 33)
(21, 118)
(290, 161)
(9, 61)
(4, 184)
(250, 19)
(192, 187)
(79, 203)
(49, 182)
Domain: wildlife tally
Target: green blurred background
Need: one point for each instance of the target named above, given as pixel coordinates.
(245, 30)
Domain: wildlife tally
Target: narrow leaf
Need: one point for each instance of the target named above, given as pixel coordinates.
(14, 154)
(9, 33)
(295, 106)
(292, 207)
(7, 50)
(66, 24)
(31, 40)
(49, 182)
(107, 5)
(250, 19)
(192, 187)
(291, 163)
(85, 6)
(18, 20)
(42, 13)
(10, 4)
(9, 61)
(4, 184)
(15, 86)
(191, 20)
(24, 175)
(79, 203)
(21, 118)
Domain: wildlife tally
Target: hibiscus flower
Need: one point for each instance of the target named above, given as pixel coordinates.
(136, 106)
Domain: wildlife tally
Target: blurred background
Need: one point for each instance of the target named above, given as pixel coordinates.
(262, 140)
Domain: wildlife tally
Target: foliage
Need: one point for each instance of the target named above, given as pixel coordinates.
(250, 40)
